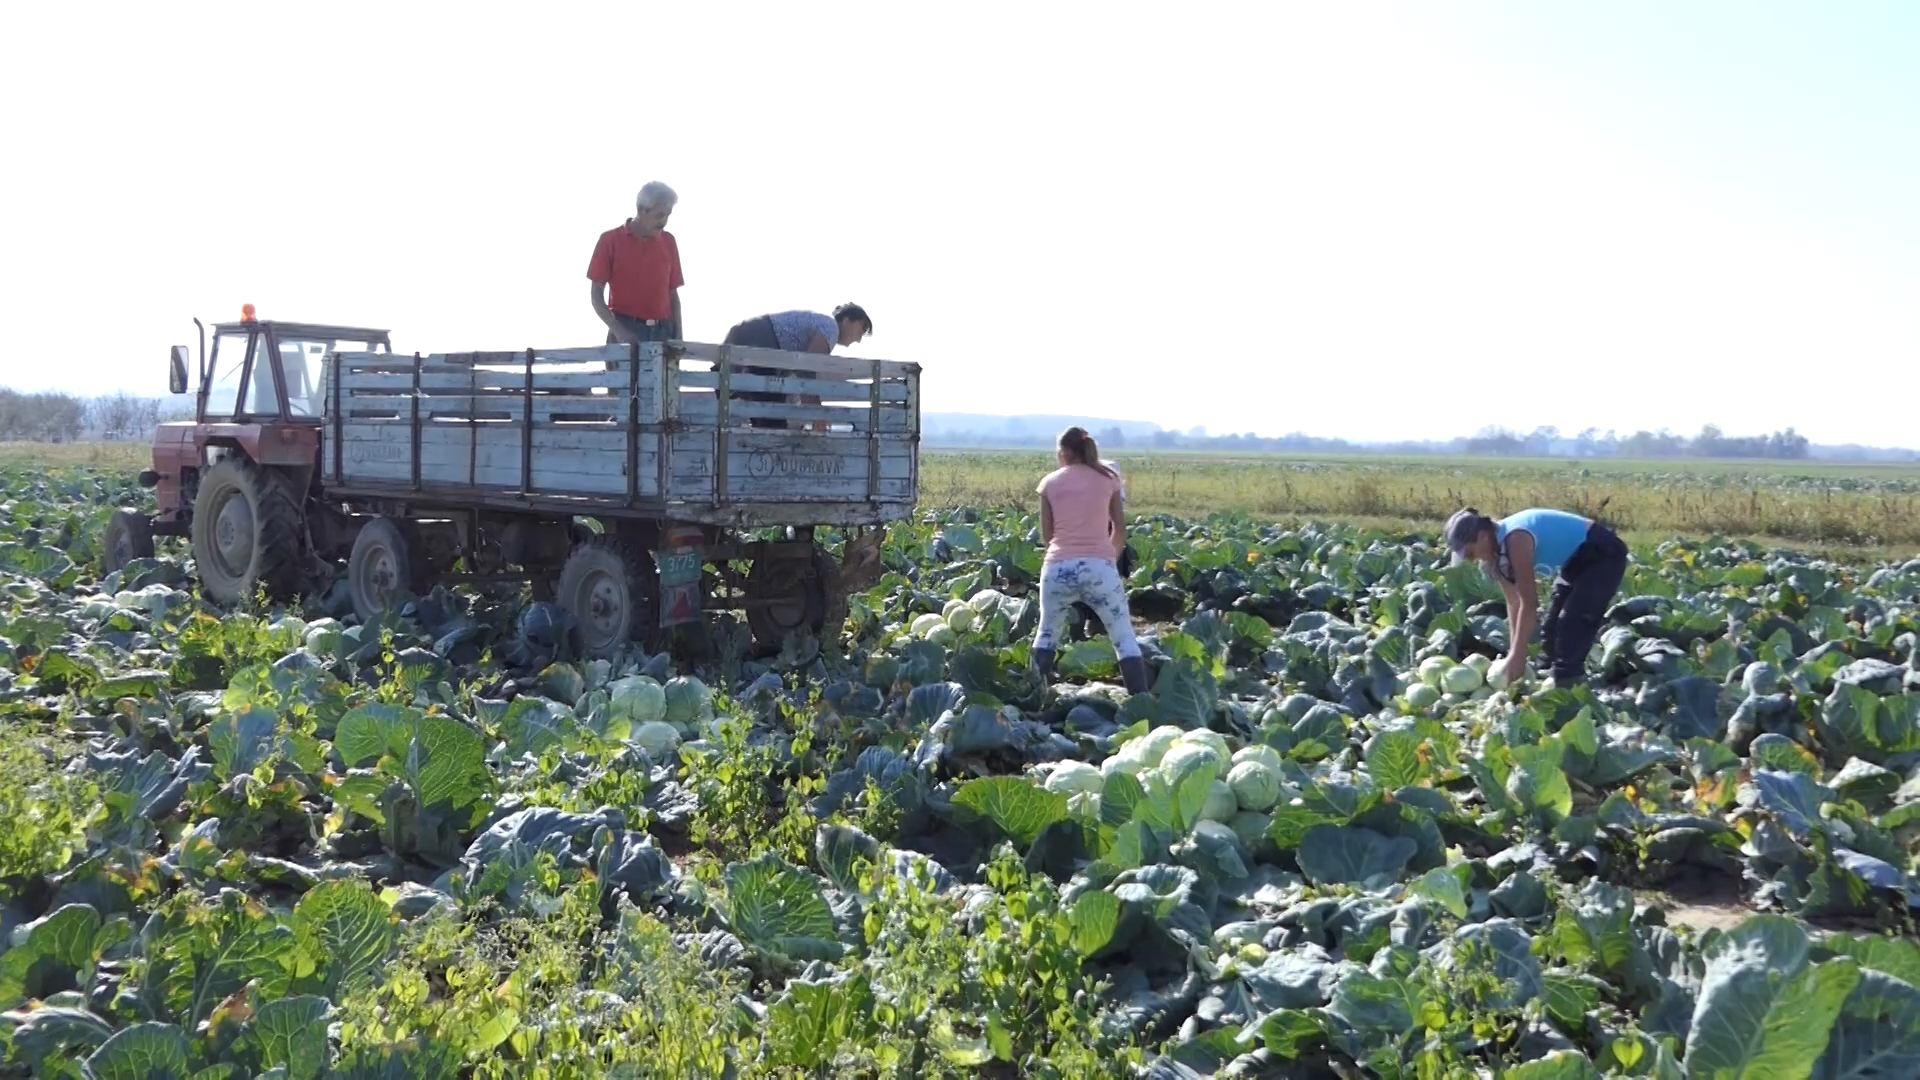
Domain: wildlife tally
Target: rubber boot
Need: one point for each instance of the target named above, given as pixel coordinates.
(1133, 672)
(1043, 663)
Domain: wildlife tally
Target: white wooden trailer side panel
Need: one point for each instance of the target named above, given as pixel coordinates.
(473, 411)
(780, 466)
(566, 461)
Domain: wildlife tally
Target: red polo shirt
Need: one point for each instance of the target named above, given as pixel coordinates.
(640, 275)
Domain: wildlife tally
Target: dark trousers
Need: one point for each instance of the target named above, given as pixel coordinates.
(757, 334)
(1582, 591)
(643, 329)
(754, 334)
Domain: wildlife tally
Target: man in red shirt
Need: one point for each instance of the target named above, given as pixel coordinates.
(639, 264)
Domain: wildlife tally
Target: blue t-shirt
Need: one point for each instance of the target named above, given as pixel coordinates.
(793, 329)
(1556, 535)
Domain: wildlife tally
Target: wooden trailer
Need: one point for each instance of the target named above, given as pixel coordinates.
(495, 457)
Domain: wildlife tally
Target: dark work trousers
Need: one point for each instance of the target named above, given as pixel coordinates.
(1582, 592)
(757, 334)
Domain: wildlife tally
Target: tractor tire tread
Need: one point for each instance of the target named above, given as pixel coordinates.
(277, 519)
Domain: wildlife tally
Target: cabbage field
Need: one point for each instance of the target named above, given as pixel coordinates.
(276, 843)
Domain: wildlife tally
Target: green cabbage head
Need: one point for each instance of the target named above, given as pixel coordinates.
(637, 699)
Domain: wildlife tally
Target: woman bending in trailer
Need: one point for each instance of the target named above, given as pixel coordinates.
(1587, 560)
(795, 331)
(1084, 528)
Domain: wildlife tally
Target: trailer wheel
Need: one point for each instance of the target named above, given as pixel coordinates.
(611, 592)
(381, 566)
(785, 594)
(129, 536)
(246, 533)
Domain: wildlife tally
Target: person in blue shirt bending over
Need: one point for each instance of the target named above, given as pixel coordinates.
(1587, 561)
(795, 331)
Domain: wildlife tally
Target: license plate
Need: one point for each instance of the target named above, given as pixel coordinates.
(680, 567)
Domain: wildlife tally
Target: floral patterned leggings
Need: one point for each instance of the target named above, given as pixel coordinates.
(1093, 582)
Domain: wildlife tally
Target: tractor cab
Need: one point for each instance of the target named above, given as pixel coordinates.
(254, 438)
(264, 370)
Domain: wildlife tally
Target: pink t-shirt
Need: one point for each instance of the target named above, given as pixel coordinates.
(1081, 497)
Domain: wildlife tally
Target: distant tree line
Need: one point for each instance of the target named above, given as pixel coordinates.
(1545, 441)
(1710, 443)
(58, 417)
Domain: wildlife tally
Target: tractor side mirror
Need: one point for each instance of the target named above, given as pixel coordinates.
(177, 370)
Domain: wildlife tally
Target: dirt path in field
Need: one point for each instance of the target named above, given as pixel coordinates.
(1700, 900)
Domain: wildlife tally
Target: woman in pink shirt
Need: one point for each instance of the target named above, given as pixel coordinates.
(1084, 527)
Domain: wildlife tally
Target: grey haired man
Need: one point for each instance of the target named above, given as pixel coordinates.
(635, 273)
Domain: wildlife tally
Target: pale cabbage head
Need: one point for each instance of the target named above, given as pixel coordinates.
(656, 738)
(636, 699)
(1433, 668)
(986, 600)
(1074, 777)
(1157, 742)
(1212, 740)
(1256, 786)
(688, 701)
(1131, 759)
(323, 637)
(1185, 757)
(1462, 679)
(1262, 753)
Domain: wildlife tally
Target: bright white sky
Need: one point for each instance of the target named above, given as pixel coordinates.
(1356, 219)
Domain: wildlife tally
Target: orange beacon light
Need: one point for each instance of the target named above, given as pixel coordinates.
(246, 312)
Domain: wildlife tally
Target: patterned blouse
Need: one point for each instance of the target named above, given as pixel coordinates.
(793, 329)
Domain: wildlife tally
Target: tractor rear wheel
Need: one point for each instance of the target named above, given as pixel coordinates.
(612, 592)
(246, 533)
(129, 536)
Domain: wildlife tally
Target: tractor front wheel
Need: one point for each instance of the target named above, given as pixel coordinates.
(129, 537)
